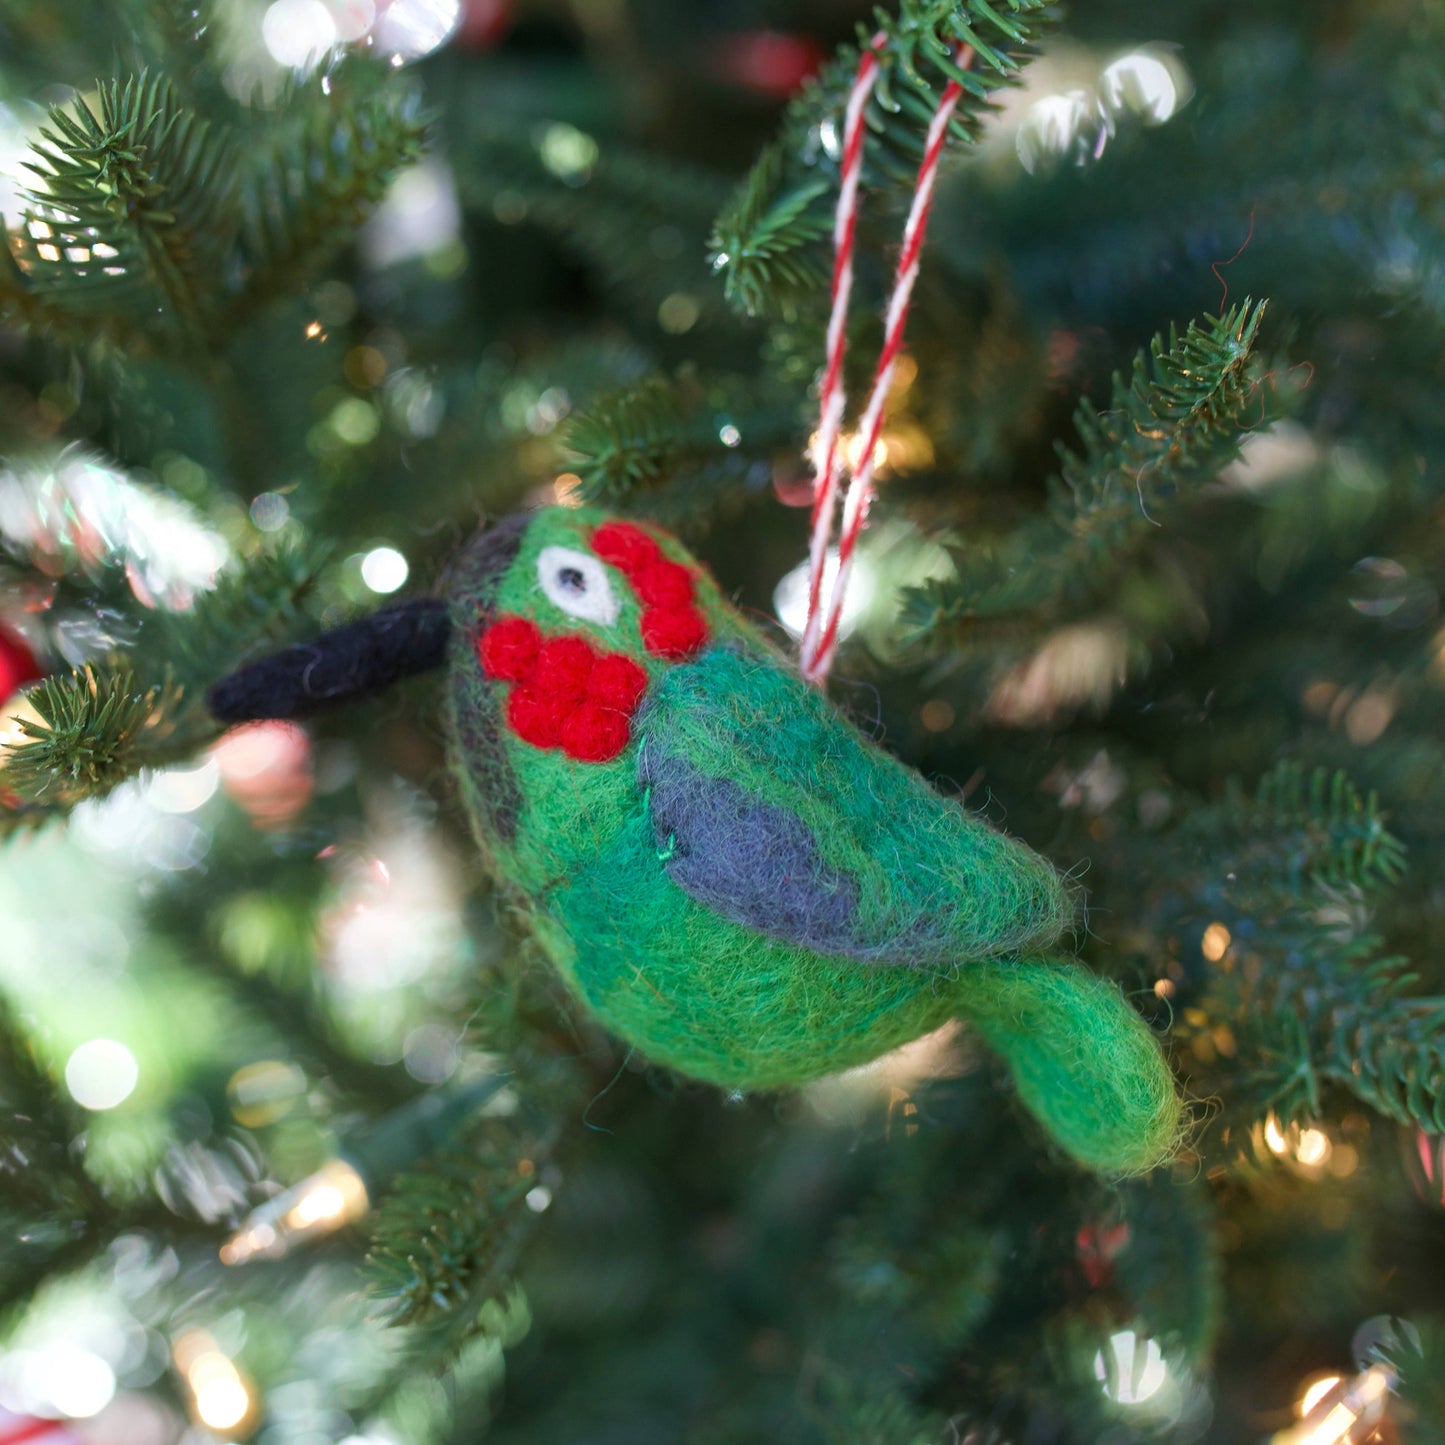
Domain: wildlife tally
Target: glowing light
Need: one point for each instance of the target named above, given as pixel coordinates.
(384, 569)
(270, 512)
(1150, 83)
(83, 514)
(1215, 943)
(1052, 127)
(1132, 1370)
(567, 152)
(790, 597)
(298, 32)
(1078, 665)
(353, 18)
(263, 1092)
(1341, 1412)
(321, 1204)
(101, 1074)
(729, 435)
(355, 421)
(313, 330)
(1307, 1150)
(58, 1378)
(222, 1399)
(539, 1197)
(409, 29)
(183, 790)
(1314, 1393)
(419, 216)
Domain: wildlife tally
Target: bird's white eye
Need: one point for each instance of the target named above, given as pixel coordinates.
(577, 583)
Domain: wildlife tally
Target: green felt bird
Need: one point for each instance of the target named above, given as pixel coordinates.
(727, 873)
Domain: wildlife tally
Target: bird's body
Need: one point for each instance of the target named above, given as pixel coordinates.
(729, 875)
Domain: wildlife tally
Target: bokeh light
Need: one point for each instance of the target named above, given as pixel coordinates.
(1131, 1369)
(409, 29)
(790, 597)
(298, 32)
(384, 569)
(101, 1074)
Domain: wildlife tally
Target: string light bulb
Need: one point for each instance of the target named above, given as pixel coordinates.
(322, 1203)
(1305, 1148)
(1345, 1413)
(340, 1191)
(222, 1398)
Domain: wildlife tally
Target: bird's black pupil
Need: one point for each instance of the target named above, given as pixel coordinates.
(572, 579)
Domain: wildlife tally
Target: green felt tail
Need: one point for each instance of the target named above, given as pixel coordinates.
(1085, 1063)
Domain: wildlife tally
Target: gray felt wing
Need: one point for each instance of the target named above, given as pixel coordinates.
(753, 863)
(768, 808)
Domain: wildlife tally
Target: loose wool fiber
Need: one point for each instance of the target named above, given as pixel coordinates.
(739, 883)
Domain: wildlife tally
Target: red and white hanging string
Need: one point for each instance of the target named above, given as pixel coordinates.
(820, 632)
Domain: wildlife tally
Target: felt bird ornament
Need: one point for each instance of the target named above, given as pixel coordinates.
(728, 874)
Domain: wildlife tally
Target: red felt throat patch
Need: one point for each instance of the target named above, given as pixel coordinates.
(567, 695)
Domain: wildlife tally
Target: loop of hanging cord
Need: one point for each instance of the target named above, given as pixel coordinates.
(820, 632)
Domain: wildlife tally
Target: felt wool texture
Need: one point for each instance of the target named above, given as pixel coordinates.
(727, 873)
(348, 662)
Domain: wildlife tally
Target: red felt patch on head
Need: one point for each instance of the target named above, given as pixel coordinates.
(674, 634)
(673, 625)
(568, 695)
(626, 547)
(665, 584)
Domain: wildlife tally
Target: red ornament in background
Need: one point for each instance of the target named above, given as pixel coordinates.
(768, 61)
(23, 1430)
(483, 23)
(1425, 1164)
(1096, 1246)
(17, 667)
(266, 770)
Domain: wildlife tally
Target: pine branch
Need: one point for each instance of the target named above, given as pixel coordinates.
(769, 240)
(328, 158)
(133, 207)
(253, 607)
(675, 433)
(1179, 417)
(639, 220)
(446, 1240)
(95, 732)
(1299, 828)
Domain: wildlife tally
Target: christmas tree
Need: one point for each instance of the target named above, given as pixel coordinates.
(302, 1138)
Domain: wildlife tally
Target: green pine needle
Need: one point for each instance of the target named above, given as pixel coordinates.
(1179, 416)
(676, 433)
(95, 731)
(769, 241)
(447, 1239)
(133, 205)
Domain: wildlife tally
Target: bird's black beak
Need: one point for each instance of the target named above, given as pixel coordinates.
(367, 656)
